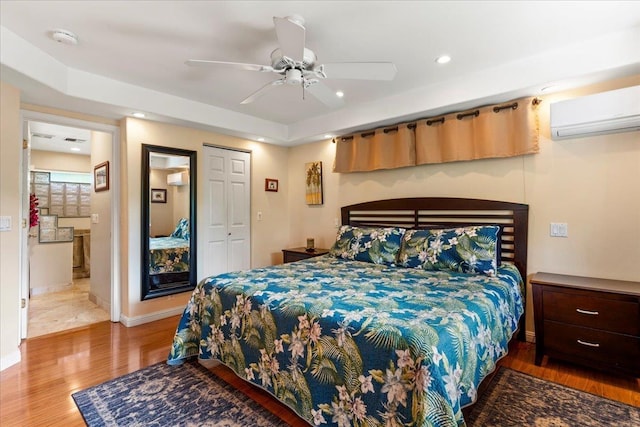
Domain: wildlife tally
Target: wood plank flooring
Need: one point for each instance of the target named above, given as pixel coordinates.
(37, 391)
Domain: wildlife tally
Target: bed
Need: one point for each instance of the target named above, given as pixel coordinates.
(367, 335)
(170, 254)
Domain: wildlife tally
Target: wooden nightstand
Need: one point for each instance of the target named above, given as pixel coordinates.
(593, 322)
(296, 254)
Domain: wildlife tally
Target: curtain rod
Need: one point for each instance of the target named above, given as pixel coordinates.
(430, 122)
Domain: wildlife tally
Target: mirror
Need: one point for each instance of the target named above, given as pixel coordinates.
(168, 221)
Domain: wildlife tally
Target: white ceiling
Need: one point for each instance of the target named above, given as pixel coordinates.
(130, 57)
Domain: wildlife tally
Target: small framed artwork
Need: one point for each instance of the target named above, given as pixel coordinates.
(158, 195)
(313, 183)
(48, 221)
(101, 177)
(270, 184)
(47, 235)
(65, 234)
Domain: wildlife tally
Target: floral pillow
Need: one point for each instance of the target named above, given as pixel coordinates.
(368, 244)
(182, 229)
(472, 249)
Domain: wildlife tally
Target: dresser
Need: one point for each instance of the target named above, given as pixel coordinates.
(589, 321)
(297, 254)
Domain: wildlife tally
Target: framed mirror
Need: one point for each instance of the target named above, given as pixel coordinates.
(168, 221)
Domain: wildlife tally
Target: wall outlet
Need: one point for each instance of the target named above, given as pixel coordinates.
(559, 229)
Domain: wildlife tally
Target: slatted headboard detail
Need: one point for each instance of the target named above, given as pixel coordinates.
(426, 212)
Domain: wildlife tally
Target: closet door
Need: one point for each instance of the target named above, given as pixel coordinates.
(227, 231)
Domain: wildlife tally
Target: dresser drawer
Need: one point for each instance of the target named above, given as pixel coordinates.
(592, 310)
(590, 345)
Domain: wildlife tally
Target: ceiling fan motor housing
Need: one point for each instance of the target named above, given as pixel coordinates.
(278, 62)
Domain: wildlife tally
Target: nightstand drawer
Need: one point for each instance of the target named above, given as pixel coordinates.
(584, 344)
(592, 311)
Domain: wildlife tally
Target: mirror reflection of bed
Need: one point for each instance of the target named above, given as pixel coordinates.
(169, 256)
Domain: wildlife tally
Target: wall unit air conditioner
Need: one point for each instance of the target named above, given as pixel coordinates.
(178, 178)
(607, 112)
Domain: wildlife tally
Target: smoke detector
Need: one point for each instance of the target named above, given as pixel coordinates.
(64, 36)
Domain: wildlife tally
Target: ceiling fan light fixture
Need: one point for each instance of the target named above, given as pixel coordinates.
(294, 77)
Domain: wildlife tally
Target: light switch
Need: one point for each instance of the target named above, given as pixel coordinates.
(95, 218)
(5, 223)
(559, 229)
(259, 215)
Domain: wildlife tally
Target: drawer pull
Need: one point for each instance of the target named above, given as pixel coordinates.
(592, 313)
(589, 344)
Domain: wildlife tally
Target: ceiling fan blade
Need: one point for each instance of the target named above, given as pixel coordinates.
(323, 94)
(291, 37)
(360, 70)
(236, 65)
(264, 89)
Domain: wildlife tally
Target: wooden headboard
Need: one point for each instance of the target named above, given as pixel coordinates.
(425, 212)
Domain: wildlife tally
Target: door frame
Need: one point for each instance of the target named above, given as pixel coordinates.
(114, 131)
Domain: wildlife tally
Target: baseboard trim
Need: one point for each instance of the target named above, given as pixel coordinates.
(10, 360)
(151, 317)
(530, 336)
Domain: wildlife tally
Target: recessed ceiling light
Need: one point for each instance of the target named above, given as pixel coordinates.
(75, 149)
(138, 115)
(339, 94)
(443, 59)
(261, 139)
(327, 136)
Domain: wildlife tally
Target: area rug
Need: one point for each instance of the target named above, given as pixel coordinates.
(163, 395)
(517, 399)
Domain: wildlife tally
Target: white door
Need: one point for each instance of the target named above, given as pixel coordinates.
(227, 233)
(24, 246)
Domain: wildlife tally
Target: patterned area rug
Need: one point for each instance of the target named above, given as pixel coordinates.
(517, 399)
(163, 395)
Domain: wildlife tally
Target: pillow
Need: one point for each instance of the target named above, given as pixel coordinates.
(368, 244)
(466, 249)
(182, 229)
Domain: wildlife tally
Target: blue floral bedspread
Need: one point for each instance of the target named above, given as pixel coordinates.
(168, 254)
(354, 343)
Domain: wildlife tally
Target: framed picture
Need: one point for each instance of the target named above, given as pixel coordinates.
(65, 234)
(48, 221)
(270, 184)
(101, 177)
(47, 235)
(313, 183)
(158, 195)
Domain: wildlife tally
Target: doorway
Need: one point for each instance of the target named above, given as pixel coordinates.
(75, 236)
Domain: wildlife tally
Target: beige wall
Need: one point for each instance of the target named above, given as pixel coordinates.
(10, 158)
(593, 184)
(100, 259)
(161, 214)
(268, 236)
(54, 161)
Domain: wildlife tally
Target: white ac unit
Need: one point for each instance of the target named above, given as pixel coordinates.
(178, 178)
(606, 112)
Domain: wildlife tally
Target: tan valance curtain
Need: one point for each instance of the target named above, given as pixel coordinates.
(386, 148)
(501, 130)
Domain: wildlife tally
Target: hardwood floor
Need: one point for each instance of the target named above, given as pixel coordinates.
(37, 391)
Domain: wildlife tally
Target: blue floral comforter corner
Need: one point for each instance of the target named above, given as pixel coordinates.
(349, 343)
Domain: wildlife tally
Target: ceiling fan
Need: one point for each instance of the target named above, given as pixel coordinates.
(297, 65)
